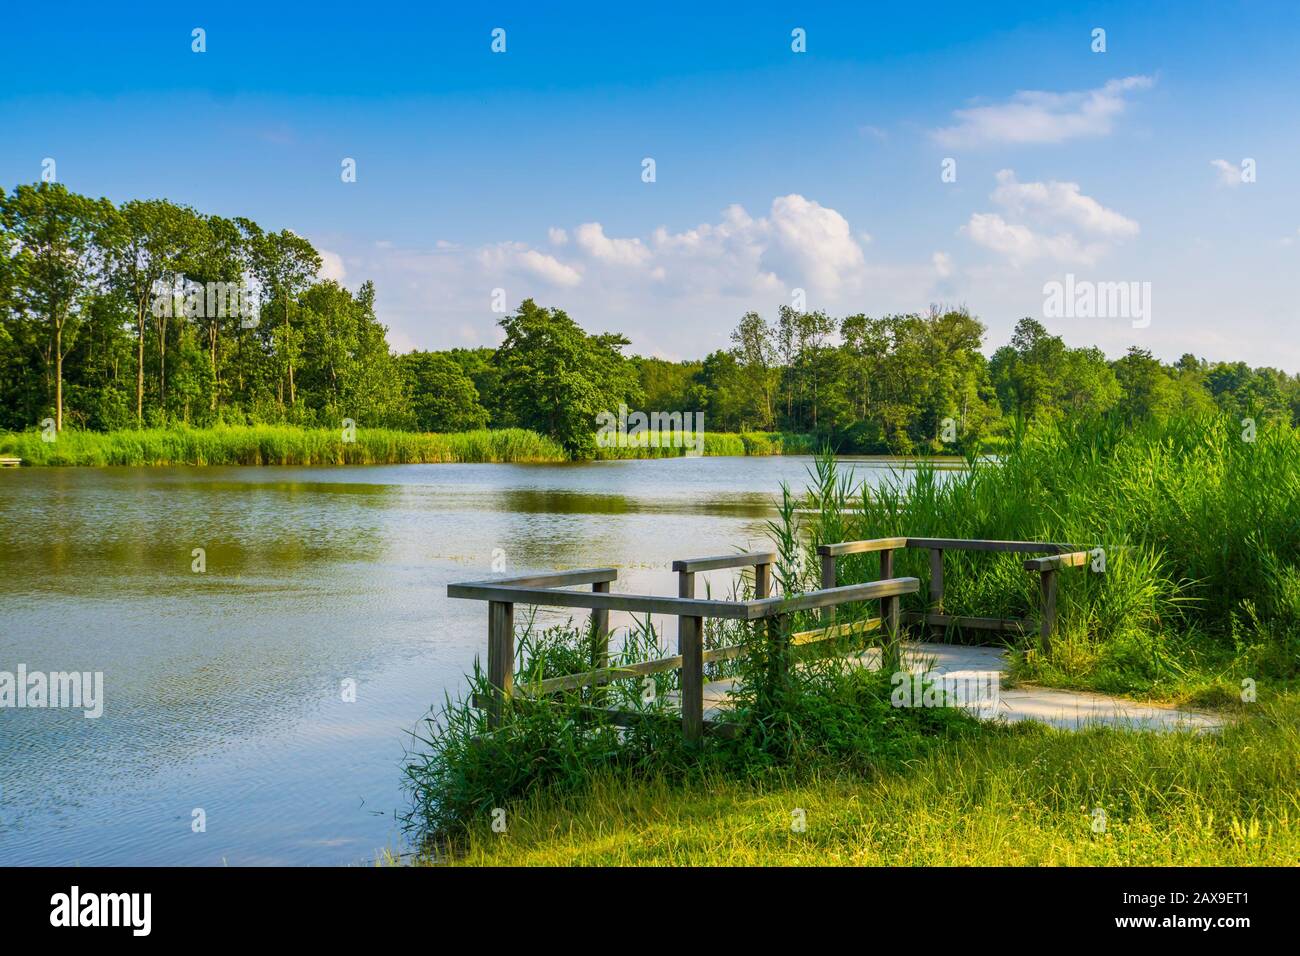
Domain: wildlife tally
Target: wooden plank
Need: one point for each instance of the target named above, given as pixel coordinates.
(551, 579)
(717, 562)
(974, 623)
(690, 642)
(848, 593)
(637, 603)
(762, 580)
(859, 547)
(979, 544)
(554, 685)
(834, 631)
(1057, 561)
(501, 656)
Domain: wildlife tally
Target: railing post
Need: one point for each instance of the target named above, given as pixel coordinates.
(889, 617)
(1047, 583)
(600, 629)
(690, 644)
(777, 651)
(762, 580)
(501, 657)
(936, 589)
(886, 564)
(686, 584)
(828, 581)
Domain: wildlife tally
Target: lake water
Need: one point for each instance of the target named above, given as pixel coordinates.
(223, 689)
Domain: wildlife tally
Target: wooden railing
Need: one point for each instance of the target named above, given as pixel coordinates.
(1059, 557)
(545, 590)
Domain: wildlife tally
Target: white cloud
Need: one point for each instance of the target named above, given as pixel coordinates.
(1032, 116)
(514, 258)
(1061, 201)
(1051, 220)
(331, 266)
(1229, 175)
(590, 238)
(942, 263)
(676, 291)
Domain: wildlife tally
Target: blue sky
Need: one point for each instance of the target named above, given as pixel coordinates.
(774, 170)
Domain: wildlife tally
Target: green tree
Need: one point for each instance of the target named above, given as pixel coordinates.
(556, 379)
(443, 396)
(54, 267)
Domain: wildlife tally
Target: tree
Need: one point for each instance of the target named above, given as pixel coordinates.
(443, 396)
(54, 263)
(754, 350)
(284, 263)
(556, 379)
(142, 244)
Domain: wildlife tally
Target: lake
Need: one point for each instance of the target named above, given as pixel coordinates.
(223, 689)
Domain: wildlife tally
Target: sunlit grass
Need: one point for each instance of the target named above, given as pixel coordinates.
(291, 445)
(1027, 795)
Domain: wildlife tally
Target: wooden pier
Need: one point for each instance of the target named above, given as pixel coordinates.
(8, 462)
(548, 590)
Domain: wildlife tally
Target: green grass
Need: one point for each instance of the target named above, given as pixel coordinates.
(291, 445)
(1201, 590)
(1201, 538)
(1026, 795)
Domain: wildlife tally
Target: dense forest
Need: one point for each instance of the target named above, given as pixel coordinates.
(150, 313)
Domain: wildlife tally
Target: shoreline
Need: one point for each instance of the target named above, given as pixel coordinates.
(265, 445)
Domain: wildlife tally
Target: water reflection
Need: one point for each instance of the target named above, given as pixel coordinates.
(223, 688)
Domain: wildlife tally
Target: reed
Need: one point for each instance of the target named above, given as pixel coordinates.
(293, 445)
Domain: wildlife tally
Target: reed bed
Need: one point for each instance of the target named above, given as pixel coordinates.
(291, 445)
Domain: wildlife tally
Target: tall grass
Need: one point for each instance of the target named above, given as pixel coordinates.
(293, 445)
(733, 444)
(1199, 530)
(1022, 796)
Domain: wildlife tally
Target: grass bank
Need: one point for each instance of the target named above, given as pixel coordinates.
(1198, 599)
(1026, 795)
(290, 445)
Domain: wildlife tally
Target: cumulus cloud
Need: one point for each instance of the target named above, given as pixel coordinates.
(1032, 116)
(1051, 220)
(590, 238)
(331, 266)
(515, 258)
(675, 292)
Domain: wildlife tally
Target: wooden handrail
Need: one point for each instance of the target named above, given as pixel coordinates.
(859, 547)
(557, 579)
(746, 560)
(635, 603)
(1057, 561)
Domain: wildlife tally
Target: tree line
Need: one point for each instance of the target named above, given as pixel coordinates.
(150, 313)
